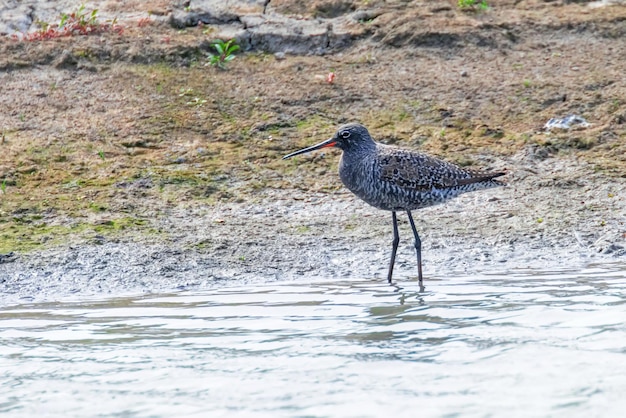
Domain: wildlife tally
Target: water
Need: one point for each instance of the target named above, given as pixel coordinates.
(516, 344)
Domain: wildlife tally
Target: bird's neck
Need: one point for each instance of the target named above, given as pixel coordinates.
(360, 151)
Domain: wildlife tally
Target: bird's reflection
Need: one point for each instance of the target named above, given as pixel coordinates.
(409, 294)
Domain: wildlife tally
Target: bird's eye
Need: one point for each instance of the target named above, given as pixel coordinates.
(345, 134)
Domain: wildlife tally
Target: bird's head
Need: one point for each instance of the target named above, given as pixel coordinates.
(352, 136)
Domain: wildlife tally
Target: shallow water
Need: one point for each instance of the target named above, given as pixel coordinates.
(516, 344)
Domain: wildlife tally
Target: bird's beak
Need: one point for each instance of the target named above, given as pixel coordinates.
(328, 143)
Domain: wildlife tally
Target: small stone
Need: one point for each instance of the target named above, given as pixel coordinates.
(27, 170)
(8, 257)
(464, 73)
(613, 248)
(279, 56)
(65, 60)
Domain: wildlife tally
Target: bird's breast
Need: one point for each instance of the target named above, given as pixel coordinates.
(363, 178)
(356, 175)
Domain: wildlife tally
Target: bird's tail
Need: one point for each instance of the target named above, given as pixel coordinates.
(483, 180)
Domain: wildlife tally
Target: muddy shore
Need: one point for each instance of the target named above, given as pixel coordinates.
(566, 225)
(129, 165)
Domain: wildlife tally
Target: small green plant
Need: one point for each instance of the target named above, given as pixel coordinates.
(3, 186)
(225, 52)
(196, 101)
(43, 26)
(80, 17)
(79, 22)
(527, 83)
(101, 154)
(96, 207)
(473, 4)
(185, 92)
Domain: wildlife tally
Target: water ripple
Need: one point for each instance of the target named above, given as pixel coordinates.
(524, 343)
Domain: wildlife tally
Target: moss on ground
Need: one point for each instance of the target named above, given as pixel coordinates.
(27, 233)
(133, 138)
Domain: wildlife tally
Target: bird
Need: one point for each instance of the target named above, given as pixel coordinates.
(396, 179)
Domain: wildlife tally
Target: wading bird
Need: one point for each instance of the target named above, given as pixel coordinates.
(395, 179)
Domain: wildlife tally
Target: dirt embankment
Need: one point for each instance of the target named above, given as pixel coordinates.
(128, 163)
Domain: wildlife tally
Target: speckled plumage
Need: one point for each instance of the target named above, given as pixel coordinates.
(391, 178)
(396, 179)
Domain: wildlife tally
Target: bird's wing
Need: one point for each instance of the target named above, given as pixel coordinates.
(416, 171)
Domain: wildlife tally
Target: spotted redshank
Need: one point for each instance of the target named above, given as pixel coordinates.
(396, 179)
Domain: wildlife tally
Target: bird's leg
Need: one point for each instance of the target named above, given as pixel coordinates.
(418, 247)
(394, 245)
